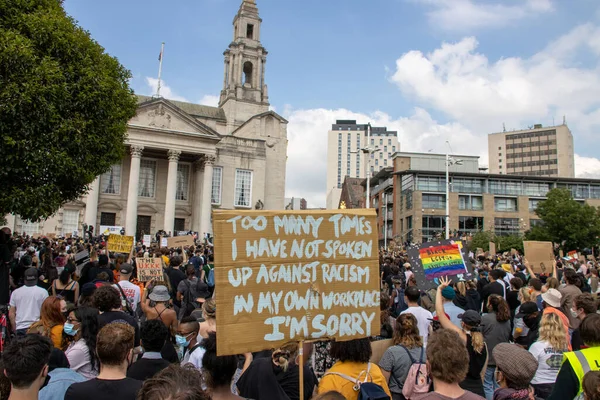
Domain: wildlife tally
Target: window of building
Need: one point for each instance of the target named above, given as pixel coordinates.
(470, 224)
(474, 203)
(462, 185)
(250, 31)
(394, 149)
(110, 182)
(511, 188)
(70, 221)
(500, 148)
(505, 204)
(536, 189)
(29, 228)
(217, 182)
(147, 178)
(499, 154)
(108, 219)
(179, 225)
(385, 148)
(248, 69)
(385, 162)
(376, 162)
(183, 181)
(433, 226)
(506, 226)
(381, 141)
(243, 188)
(437, 201)
(389, 141)
(431, 184)
(372, 142)
(533, 204)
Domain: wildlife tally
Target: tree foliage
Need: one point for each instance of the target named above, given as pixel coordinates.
(64, 107)
(574, 226)
(507, 243)
(481, 240)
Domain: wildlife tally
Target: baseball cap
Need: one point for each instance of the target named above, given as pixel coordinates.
(126, 269)
(31, 276)
(470, 318)
(552, 297)
(517, 364)
(527, 308)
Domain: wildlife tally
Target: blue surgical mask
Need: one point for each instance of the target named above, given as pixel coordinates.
(181, 341)
(68, 328)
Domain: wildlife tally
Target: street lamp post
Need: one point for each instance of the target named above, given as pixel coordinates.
(449, 161)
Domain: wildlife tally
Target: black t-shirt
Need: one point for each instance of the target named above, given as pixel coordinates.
(146, 368)
(175, 276)
(492, 288)
(119, 316)
(102, 389)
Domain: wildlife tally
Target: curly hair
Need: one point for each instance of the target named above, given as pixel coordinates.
(586, 302)
(218, 370)
(153, 334)
(174, 382)
(553, 331)
(447, 356)
(591, 385)
(210, 308)
(358, 350)
(106, 298)
(407, 332)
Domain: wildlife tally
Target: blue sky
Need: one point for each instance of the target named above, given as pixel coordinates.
(431, 69)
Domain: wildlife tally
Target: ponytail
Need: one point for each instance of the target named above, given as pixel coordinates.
(477, 341)
(500, 307)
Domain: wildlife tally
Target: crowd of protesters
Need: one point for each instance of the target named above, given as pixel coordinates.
(92, 331)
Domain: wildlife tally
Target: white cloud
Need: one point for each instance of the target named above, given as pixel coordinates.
(587, 167)
(307, 147)
(463, 15)
(165, 90)
(209, 100)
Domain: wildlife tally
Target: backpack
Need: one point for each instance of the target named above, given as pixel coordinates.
(210, 281)
(366, 390)
(417, 381)
(399, 303)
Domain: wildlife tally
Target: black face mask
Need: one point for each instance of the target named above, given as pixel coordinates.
(530, 322)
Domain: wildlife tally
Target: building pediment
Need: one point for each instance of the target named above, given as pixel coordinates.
(161, 114)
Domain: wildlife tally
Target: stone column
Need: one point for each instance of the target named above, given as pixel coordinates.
(91, 204)
(132, 190)
(197, 200)
(169, 222)
(205, 219)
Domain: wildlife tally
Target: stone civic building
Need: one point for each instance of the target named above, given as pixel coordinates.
(184, 159)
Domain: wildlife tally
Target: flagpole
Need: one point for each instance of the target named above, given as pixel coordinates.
(160, 59)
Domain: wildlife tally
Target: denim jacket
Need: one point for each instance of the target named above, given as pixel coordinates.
(60, 380)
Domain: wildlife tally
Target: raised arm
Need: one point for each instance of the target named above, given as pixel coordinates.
(529, 269)
(439, 309)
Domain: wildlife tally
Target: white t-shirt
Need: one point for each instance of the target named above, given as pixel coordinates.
(422, 316)
(28, 302)
(549, 362)
(132, 292)
(195, 358)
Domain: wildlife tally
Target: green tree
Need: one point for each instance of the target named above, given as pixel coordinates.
(64, 107)
(506, 243)
(481, 240)
(567, 221)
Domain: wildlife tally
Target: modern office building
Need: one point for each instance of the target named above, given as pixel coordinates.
(344, 158)
(541, 151)
(503, 204)
(295, 203)
(382, 200)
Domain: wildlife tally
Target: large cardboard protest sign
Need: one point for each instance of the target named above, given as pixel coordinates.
(433, 260)
(295, 275)
(119, 244)
(540, 255)
(149, 269)
(492, 249)
(147, 240)
(180, 241)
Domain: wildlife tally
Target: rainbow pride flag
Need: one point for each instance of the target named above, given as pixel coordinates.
(442, 260)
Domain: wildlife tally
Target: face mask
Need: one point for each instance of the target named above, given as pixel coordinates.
(68, 328)
(574, 313)
(529, 322)
(182, 341)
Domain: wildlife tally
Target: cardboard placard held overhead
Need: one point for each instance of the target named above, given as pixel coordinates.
(561, 253)
(513, 252)
(540, 256)
(180, 241)
(163, 242)
(286, 276)
(149, 269)
(147, 241)
(492, 249)
(119, 244)
(433, 260)
(52, 235)
(378, 349)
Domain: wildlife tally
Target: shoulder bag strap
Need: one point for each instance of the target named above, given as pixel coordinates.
(127, 306)
(412, 360)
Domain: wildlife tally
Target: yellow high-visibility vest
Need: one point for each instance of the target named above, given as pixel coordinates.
(583, 361)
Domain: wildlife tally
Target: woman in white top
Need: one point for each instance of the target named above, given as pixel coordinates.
(82, 328)
(548, 351)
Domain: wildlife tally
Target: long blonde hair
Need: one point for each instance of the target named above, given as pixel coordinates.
(553, 331)
(460, 286)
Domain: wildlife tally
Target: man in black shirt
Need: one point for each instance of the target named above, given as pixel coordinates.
(175, 276)
(153, 335)
(115, 352)
(103, 266)
(108, 301)
(496, 286)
